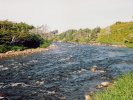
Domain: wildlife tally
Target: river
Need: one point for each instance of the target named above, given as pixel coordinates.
(62, 72)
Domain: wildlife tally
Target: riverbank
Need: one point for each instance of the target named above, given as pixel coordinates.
(24, 52)
(112, 45)
(101, 44)
(119, 90)
(31, 51)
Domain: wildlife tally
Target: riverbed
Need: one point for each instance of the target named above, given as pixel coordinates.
(63, 72)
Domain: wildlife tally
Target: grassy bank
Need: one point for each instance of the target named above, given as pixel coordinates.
(120, 33)
(122, 89)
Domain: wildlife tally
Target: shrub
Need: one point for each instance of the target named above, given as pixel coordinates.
(17, 36)
(4, 48)
(18, 48)
(45, 44)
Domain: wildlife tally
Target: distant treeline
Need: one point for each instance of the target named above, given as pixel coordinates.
(17, 36)
(81, 36)
(120, 33)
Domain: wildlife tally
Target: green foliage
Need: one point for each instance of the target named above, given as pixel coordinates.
(45, 43)
(17, 48)
(121, 90)
(18, 36)
(129, 45)
(118, 33)
(29, 40)
(81, 35)
(4, 48)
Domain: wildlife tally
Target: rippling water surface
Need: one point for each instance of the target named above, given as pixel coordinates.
(63, 72)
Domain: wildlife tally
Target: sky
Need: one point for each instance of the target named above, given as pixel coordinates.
(67, 14)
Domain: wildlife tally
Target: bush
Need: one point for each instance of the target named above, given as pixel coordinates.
(4, 48)
(18, 48)
(45, 44)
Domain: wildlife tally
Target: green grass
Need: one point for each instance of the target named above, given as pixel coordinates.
(122, 89)
(45, 44)
(18, 48)
(119, 33)
(129, 45)
(4, 48)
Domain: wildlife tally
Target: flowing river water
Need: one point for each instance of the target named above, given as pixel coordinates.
(62, 72)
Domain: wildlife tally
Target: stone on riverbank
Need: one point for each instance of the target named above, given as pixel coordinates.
(99, 87)
(88, 97)
(105, 84)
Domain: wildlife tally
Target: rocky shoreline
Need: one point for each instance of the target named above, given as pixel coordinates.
(101, 44)
(24, 52)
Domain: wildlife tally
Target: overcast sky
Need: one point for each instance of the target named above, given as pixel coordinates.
(67, 14)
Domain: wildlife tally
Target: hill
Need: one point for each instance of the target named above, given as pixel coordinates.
(118, 33)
